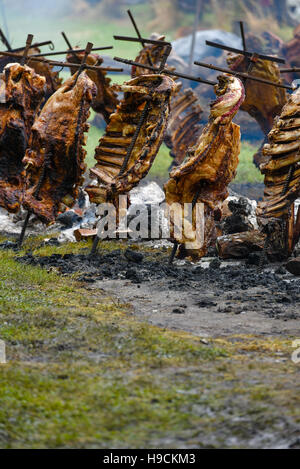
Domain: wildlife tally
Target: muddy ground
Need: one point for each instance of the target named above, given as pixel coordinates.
(208, 299)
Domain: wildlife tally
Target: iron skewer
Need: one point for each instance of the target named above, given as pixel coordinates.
(246, 53)
(76, 51)
(244, 75)
(5, 40)
(139, 36)
(165, 71)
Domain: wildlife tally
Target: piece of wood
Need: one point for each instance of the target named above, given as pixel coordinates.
(82, 234)
(240, 245)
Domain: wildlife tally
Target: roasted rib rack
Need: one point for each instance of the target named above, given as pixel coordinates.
(282, 177)
(183, 129)
(113, 177)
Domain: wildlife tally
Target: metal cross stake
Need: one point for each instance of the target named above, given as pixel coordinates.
(139, 36)
(252, 57)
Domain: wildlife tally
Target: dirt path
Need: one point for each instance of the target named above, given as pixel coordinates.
(208, 314)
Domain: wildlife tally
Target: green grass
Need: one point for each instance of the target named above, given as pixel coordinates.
(83, 373)
(247, 171)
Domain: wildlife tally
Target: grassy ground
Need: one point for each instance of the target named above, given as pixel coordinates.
(83, 373)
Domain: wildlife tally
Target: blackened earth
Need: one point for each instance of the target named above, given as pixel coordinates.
(224, 298)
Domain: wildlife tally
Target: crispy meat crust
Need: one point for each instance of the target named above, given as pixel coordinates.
(56, 145)
(21, 94)
(209, 168)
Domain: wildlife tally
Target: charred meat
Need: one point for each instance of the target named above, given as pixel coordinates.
(147, 96)
(202, 179)
(21, 94)
(55, 158)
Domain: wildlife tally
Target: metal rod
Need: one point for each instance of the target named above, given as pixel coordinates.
(67, 40)
(76, 51)
(193, 43)
(95, 245)
(246, 53)
(165, 71)
(24, 229)
(34, 46)
(69, 45)
(87, 51)
(61, 64)
(173, 253)
(243, 35)
(27, 47)
(4, 40)
(139, 36)
(290, 70)
(141, 40)
(243, 75)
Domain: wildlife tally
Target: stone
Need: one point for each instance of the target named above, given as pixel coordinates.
(293, 266)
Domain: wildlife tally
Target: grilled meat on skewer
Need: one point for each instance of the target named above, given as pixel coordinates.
(153, 92)
(21, 94)
(263, 102)
(106, 100)
(202, 179)
(183, 128)
(56, 149)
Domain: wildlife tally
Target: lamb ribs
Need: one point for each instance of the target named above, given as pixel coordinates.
(202, 179)
(151, 93)
(55, 158)
(282, 179)
(183, 128)
(21, 94)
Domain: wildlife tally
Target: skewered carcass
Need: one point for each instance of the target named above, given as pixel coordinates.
(202, 179)
(262, 102)
(106, 100)
(21, 94)
(183, 128)
(142, 114)
(282, 180)
(54, 159)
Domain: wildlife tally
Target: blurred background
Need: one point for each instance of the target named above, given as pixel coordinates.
(270, 25)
